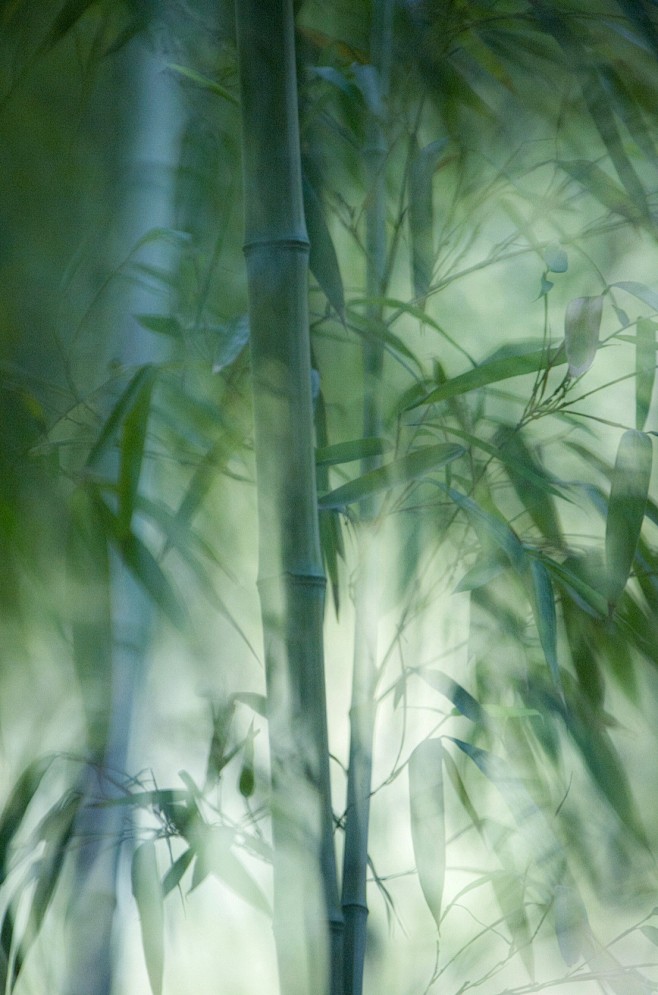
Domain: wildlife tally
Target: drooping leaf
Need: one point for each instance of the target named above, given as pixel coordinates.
(570, 921)
(348, 452)
(639, 290)
(204, 82)
(582, 322)
(162, 324)
(133, 438)
(231, 337)
(175, 873)
(628, 498)
(322, 260)
(530, 481)
(459, 696)
(645, 369)
(428, 821)
(602, 188)
(421, 213)
(490, 528)
(545, 616)
(402, 471)
(508, 889)
(516, 361)
(148, 891)
(555, 258)
(16, 806)
(108, 433)
(216, 856)
(485, 569)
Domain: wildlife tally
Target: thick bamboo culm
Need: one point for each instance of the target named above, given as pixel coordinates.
(307, 914)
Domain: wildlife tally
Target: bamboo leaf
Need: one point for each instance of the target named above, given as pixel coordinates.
(508, 890)
(175, 873)
(217, 857)
(322, 259)
(545, 617)
(421, 213)
(483, 571)
(491, 528)
(639, 290)
(204, 82)
(555, 258)
(132, 448)
(348, 452)
(257, 702)
(645, 369)
(602, 188)
(428, 821)
(582, 322)
(16, 806)
(161, 324)
(628, 498)
(147, 890)
(459, 696)
(403, 471)
(516, 361)
(109, 430)
(232, 336)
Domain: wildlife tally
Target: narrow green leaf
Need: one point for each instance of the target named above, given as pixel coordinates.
(651, 933)
(459, 696)
(582, 322)
(147, 890)
(570, 920)
(204, 82)
(519, 360)
(218, 858)
(555, 258)
(645, 369)
(602, 188)
(16, 805)
(256, 702)
(402, 471)
(109, 430)
(628, 499)
(231, 338)
(133, 438)
(460, 790)
(483, 570)
(508, 889)
(491, 528)
(322, 260)
(421, 213)
(174, 875)
(348, 452)
(161, 324)
(545, 617)
(639, 290)
(428, 821)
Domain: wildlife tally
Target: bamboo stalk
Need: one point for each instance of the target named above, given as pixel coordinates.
(291, 581)
(364, 675)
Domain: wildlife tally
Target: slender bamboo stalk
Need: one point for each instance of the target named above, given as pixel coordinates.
(291, 580)
(364, 676)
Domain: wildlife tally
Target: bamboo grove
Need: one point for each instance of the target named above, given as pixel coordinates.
(327, 503)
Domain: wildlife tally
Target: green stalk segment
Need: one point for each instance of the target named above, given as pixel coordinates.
(291, 580)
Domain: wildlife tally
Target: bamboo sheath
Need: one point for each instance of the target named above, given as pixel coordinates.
(291, 580)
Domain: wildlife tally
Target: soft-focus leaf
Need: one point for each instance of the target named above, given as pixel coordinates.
(483, 570)
(161, 324)
(231, 338)
(347, 452)
(645, 369)
(16, 805)
(517, 361)
(602, 188)
(107, 435)
(217, 857)
(428, 821)
(570, 920)
(628, 499)
(531, 483)
(582, 322)
(555, 258)
(639, 290)
(323, 261)
(459, 696)
(256, 702)
(491, 528)
(402, 471)
(421, 214)
(508, 889)
(133, 438)
(545, 617)
(147, 890)
(175, 873)
(204, 82)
